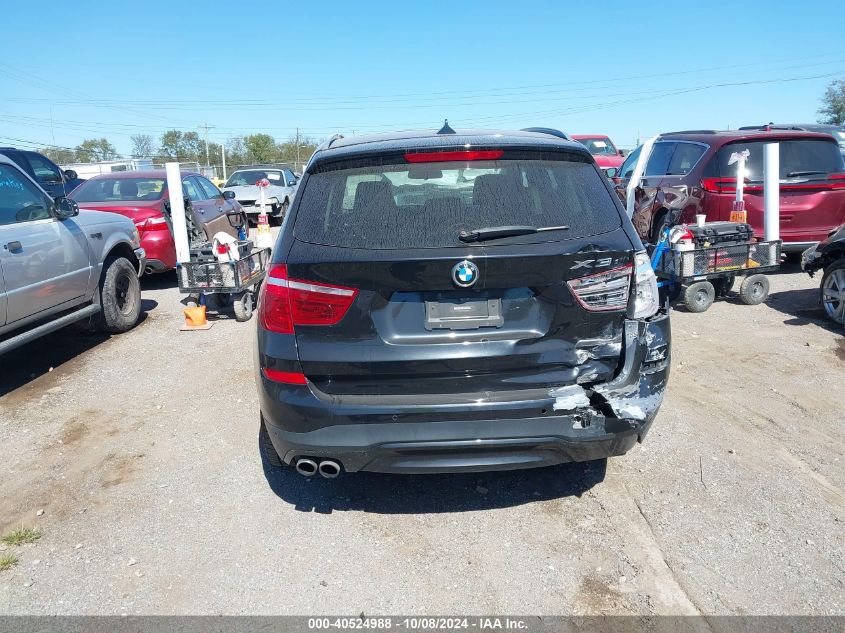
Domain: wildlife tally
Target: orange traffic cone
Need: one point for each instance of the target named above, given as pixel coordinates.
(195, 319)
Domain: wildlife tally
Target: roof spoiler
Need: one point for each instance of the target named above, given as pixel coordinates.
(548, 131)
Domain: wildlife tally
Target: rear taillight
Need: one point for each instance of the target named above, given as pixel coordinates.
(462, 155)
(719, 185)
(646, 298)
(728, 185)
(151, 224)
(288, 302)
(603, 291)
(838, 181)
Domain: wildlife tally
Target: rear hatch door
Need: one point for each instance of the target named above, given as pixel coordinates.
(812, 186)
(430, 313)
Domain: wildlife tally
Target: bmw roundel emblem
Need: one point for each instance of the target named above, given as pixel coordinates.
(465, 274)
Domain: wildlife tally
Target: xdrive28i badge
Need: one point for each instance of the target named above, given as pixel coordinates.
(465, 274)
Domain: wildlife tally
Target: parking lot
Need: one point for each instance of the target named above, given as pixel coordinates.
(137, 458)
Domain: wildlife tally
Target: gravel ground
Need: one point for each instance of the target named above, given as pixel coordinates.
(137, 457)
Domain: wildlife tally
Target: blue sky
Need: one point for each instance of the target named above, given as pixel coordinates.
(75, 70)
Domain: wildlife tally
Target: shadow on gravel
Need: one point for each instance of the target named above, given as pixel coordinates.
(53, 353)
(159, 281)
(803, 307)
(424, 494)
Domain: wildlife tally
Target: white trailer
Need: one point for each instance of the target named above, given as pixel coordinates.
(88, 170)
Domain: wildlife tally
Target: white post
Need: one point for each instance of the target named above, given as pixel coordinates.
(177, 212)
(223, 155)
(740, 183)
(771, 192)
(639, 170)
(263, 239)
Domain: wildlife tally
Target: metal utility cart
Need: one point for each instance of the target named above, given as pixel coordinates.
(226, 283)
(206, 279)
(703, 273)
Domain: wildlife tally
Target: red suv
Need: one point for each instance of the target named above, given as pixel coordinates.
(689, 171)
(602, 148)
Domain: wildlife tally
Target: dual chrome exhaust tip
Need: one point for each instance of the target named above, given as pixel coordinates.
(327, 468)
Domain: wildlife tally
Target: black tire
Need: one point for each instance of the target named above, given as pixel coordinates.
(243, 304)
(670, 292)
(268, 451)
(698, 297)
(120, 296)
(833, 281)
(754, 290)
(657, 226)
(283, 211)
(724, 285)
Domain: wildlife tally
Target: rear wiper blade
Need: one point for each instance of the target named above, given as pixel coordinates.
(494, 232)
(794, 174)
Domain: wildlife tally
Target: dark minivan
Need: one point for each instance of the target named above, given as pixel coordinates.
(456, 302)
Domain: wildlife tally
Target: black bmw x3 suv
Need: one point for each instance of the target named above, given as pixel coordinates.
(456, 302)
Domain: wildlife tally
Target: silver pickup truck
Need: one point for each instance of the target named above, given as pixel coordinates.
(60, 265)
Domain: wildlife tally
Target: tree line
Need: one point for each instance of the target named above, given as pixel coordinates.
(176, 145)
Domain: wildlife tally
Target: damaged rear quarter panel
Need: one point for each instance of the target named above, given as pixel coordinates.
(637, 391)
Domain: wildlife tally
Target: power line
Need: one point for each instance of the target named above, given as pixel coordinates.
(571, 86)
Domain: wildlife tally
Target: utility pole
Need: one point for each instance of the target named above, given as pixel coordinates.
(223, 156)
(296, 165)
(207, 127)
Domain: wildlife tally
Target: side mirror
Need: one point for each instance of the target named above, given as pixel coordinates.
(65, 208)
(228, 195)
(70, 174)
(611, 172)
(621, 152)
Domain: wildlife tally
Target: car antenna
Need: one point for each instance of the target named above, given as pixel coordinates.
(446, 129)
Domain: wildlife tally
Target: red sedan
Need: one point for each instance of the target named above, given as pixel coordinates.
(141, 195)
(602, 149)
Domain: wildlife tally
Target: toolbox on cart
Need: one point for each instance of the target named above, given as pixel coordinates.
(721, 234)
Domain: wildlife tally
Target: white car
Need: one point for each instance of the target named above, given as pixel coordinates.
(278, 195)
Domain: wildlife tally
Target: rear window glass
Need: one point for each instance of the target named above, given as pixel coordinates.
(427, 205)
(119, 189)
(797, 159)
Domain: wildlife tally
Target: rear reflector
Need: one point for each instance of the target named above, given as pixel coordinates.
(287, 377)
(288, 302)
(603, 291)
(436, 157)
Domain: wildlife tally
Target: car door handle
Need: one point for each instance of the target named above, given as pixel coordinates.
(13, 246)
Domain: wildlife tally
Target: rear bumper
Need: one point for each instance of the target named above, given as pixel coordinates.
(476, 432)
(160, 248)
(256, 210)
(796, 247)
(442, 447)
(157, 266)
(141, 256)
